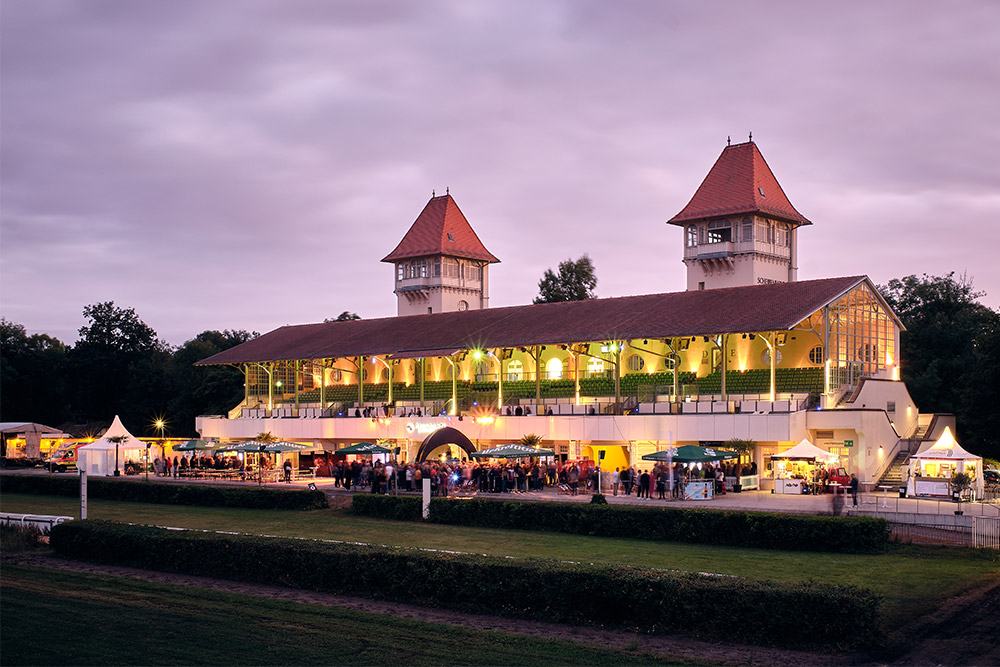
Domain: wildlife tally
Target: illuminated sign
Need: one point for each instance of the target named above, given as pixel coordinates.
(422, 427)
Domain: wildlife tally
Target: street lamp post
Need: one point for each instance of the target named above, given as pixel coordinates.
(160, 426)
(147, 462)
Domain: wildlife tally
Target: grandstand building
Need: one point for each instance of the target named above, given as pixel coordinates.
(747, 352)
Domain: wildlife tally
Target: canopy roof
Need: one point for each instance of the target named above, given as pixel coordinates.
(806, 450)
(946, 449)
(756, 308)
(739, 182)
(116, 429)
(17, 428)
(691, 454)
(511, 451)
(364, 448)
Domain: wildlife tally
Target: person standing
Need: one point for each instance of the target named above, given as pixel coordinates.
(854, 489)
(287, 467)
(644, 484)
(615, 480)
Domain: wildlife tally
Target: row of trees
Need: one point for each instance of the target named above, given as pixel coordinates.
(118, 366)
(951, 354)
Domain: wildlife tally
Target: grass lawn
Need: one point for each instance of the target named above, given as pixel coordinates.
(52, 617)
(912, 580)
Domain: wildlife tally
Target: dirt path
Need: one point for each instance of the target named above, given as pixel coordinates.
(669, 646)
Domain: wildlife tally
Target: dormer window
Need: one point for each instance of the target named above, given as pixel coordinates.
(450, 237)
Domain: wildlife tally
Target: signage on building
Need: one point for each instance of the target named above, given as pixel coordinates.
(424, 427)
(848, 443)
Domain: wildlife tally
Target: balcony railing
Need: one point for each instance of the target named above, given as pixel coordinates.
(707, 250)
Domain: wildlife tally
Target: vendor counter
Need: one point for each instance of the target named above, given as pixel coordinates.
(702, 489)
(788, 486)
(932, 486)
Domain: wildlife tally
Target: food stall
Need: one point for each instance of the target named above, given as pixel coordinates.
(931, 470)
(794, 468)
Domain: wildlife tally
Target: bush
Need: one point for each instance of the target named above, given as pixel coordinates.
(639, 599)
(598, 499)
(138, 491)
(761, 530)
(20, 463)
(402, 508)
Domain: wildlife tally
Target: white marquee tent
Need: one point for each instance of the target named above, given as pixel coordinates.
(946, 450)
(806, 450)
(98, 458)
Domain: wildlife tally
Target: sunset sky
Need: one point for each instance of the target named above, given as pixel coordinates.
(244, 164)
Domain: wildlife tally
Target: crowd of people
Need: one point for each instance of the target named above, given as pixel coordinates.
(181, 465)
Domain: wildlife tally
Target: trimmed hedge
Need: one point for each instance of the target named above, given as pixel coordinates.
(250, 497)
(732, 608)
(761, 530)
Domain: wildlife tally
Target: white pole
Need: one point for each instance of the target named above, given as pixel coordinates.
(83, 494)
(427, 497)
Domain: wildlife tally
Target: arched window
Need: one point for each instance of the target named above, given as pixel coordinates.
(515, 370)
(816, 355)
(595, 366)
(482, 371)
(766, 357)
(554, 369)
(692, 236)
(636, 363)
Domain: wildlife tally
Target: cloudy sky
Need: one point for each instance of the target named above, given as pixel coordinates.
(245, 164)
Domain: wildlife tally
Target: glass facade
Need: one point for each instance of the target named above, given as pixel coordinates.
(861, 337)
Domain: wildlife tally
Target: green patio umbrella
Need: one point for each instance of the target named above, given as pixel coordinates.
(511, 451)
(279, 447)
(691, 454)
(364, 448)
(196, 445)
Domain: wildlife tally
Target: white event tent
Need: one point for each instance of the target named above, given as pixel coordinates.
(98, 458)
(947, 451)
(806, 450)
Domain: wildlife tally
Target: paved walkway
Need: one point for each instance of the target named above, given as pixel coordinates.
(761, 501)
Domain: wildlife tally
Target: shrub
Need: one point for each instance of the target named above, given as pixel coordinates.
(138, 491)
(598, 499)
(401, 508)
(640, 599)
(22, 462)
(791, 532)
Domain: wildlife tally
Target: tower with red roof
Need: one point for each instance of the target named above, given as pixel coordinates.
(441, 265)
(739, 227)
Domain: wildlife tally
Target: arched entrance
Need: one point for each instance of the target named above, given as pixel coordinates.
(444, 436)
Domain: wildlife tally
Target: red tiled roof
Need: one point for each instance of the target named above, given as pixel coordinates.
(441, 229)
(734, 186)
(775, 307)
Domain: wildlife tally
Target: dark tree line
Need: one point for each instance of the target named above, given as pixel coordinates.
(118, 366)
(951, 354)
